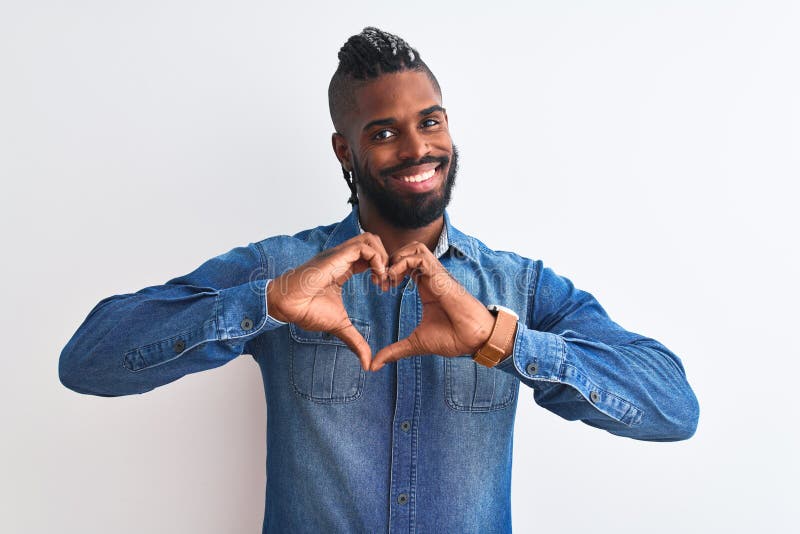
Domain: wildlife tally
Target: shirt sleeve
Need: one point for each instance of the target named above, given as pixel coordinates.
(583, 366)
(135, 342)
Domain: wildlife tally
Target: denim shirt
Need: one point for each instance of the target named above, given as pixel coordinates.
(424, 444)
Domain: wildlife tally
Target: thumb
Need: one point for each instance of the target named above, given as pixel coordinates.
(356, 342)
(392, 353)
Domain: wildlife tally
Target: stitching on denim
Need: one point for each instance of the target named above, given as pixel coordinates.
(620, 419)
(315, 338)
(323, 400)
(293, 343)
(333, 367)
(534, 286)
(262, 306)
(562, 353)
(218, 318)
(170, 338)
(494, 387)
(167, 340)
(326, 244)
(412, 491)
(449, 373)
(264, 269)
(147, 367)
(475, 389)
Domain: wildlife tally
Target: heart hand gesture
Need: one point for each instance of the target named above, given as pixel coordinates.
(311, 295)
(453, 321)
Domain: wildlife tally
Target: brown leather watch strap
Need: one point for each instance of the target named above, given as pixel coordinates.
(500, 342)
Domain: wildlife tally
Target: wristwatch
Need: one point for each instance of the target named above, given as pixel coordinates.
(505, 326)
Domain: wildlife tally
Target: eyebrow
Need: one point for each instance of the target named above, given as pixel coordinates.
(391, 120)
(428, 111)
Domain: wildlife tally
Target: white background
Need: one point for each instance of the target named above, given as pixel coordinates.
(646, 150)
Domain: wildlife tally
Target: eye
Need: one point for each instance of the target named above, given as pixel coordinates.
(383, 135)
(427, 123)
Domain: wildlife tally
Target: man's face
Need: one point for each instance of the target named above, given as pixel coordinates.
(404, 160)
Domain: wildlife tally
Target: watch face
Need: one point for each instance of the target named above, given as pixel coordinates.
(497, 307)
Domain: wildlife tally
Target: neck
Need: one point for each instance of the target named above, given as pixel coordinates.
(395, 238)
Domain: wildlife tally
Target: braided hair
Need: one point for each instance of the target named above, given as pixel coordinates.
(362, 58)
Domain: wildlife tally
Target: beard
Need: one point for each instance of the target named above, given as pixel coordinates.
(408, 211)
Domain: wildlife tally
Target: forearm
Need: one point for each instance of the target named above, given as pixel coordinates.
(135, 342)
(584, 366)
(637, 389)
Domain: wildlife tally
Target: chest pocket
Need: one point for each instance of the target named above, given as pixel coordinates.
(472, 387)
(322, 368)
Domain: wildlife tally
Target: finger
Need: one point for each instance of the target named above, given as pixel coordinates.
(414, 248)
(360, 257)
(374, 240)
(392, 353)
(374, 258)
(429, 274)
(378, 276)
(353, 339)
(406, 265)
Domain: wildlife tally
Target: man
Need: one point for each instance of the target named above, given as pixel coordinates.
(391, 345)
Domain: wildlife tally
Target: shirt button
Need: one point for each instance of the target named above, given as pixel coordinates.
(247, 323)
(594, 396)
(532, 369)
(402, 498)
(405, 426)
(179, 346)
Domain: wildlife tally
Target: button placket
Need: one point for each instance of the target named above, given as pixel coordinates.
(403, 480)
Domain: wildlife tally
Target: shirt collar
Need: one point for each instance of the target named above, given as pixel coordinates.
(449, 238)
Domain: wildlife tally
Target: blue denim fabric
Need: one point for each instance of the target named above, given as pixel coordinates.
(423, 445)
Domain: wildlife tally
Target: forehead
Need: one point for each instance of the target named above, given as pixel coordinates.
(395, 95)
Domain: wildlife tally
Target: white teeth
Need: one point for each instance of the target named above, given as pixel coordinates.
(420, 177)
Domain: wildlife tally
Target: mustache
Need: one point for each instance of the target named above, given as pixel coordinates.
(444, 160)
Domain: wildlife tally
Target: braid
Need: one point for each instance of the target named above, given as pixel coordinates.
(352, 185)
(364, 57)
(373, 52)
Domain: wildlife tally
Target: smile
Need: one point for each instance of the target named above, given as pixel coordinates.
(422, 177)
(418, 178)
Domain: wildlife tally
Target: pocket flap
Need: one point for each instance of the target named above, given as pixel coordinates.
(319, 337)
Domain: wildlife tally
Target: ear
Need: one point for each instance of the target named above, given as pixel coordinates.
(342, 151)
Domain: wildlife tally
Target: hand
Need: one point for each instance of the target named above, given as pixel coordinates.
(311, 295)
(453, 321)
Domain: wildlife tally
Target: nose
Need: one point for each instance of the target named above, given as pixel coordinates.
(413, 146)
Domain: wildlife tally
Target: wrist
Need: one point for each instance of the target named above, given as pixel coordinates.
(508, 350)
(500, 344)
(273, 299)
(484, 330)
